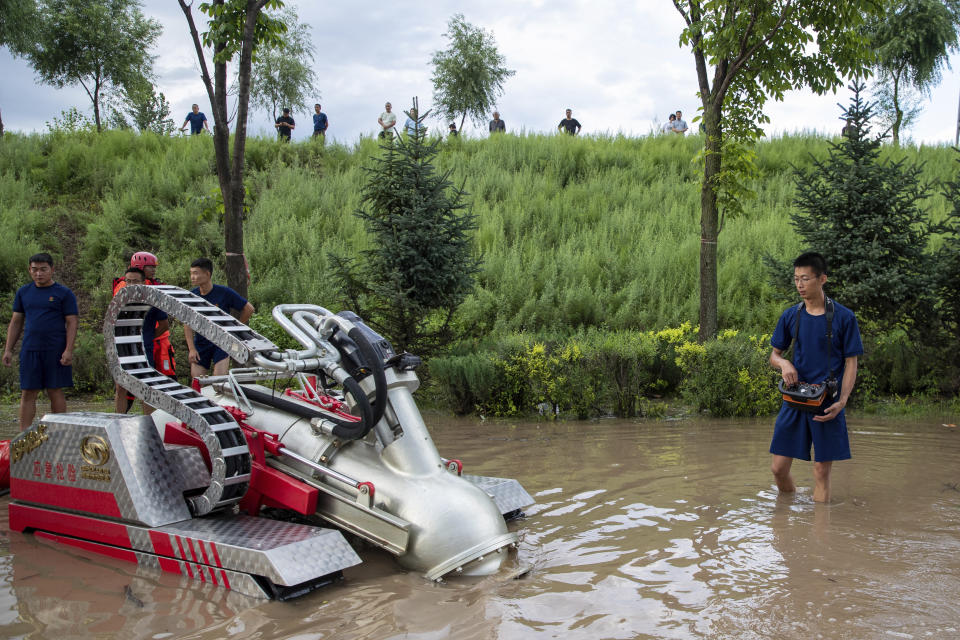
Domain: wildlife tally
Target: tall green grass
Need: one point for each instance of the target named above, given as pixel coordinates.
(573, 233)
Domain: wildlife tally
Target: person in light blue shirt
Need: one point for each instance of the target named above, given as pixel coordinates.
(411, 126)
(679, 124)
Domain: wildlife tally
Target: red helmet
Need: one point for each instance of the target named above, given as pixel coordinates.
(143, 259)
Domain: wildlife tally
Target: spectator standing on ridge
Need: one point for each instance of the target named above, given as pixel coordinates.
(198, 121)
(668, 125)
(679, 124)
(411, 126)
(285, 125)
(45, 314)
(453, 130)
(569, 124)
(387, 121)
(497, 125)
(320, 122)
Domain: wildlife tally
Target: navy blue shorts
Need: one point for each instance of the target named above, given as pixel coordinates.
(796, 430)
(42, 370)
(210, 354)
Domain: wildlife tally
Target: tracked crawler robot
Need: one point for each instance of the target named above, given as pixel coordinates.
(185, 489)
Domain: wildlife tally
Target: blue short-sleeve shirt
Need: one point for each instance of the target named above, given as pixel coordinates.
(812, 355)
(220, 296)
(196, 121)
(45, 310)
(795, 431)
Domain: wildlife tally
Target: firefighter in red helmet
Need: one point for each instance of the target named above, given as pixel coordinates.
(162, 349)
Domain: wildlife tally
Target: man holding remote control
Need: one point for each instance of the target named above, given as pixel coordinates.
(826, 345)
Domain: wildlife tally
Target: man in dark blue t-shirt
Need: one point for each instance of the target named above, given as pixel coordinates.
(198, 121)
(815, 359)
(320, 122)
(202, 352)
(285, 125)
(569, 124)
(45, 313)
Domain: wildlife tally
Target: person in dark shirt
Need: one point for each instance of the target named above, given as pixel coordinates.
(497, 125)
(45, 313)
(320, 122)
(453, 130)
(202, 352)
(198, 121)
(569, 124)
(285, 125)
(821, 351)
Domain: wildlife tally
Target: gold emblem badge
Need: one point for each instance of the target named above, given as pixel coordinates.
(95, 450)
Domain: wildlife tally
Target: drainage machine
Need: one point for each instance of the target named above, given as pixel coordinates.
(232, 482)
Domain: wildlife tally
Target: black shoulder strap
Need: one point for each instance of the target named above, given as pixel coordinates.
(796, 327)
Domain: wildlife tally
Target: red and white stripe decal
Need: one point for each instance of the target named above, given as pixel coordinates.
(24, 516)
(103, 503)
(162, 544)
(86, 545)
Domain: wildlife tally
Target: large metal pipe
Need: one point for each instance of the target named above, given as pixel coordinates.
(455, 526)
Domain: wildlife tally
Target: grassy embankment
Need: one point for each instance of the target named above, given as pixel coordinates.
(589, 249)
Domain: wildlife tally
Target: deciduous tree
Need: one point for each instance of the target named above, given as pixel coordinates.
(745, 53)
(912, 41)
(235, 28)
(98, 44)
(468, 75)
(283, 75)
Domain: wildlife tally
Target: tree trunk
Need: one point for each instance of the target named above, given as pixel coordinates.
(237, 274)
(709, 224)
(96, 107)
(898, 113)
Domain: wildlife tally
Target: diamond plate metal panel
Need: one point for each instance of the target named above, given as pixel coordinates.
(111, 454)
(285, 553)
(188, 461)
(507, 493)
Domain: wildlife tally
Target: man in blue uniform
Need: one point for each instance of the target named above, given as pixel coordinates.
(45, 313)
(198, 121)
(202, 352)
(815, 359)
(320, 122)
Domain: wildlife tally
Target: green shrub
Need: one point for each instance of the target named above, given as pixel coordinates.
(466, 382)
(730, 376)
(90, 373)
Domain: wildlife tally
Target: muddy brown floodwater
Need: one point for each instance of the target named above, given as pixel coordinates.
(640, 530)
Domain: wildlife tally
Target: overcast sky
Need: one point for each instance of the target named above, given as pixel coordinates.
(617, 64)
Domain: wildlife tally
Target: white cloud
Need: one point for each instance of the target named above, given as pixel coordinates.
(618, 65)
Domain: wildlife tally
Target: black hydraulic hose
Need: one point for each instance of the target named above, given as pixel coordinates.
(343, 429)
(379, 376)
(356, 430)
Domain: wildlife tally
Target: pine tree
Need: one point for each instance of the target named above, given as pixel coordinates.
(422, 265)
(947, 262)
(865, 216)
